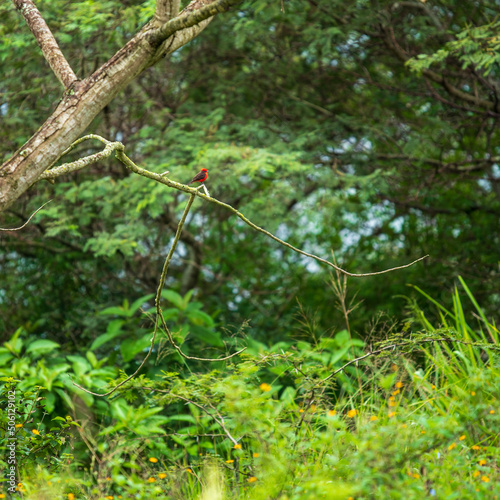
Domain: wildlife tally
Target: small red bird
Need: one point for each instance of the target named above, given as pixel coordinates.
(200, 177)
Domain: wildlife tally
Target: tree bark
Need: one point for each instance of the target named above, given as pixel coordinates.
(83, 100)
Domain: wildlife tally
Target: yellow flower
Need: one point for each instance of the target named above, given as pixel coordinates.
(162, 475)
(452, 445)
(237, 446)
(17, 426)
(482, 462)
(404, 426)
(416, 476)
(151, 480)
(373, 418)
(433, 387)
(252, 479)
(395, 393)
(109, 497)
(153, 459)
(189, 470)
(399, 385)
(472, 393)
(332, 413)
(352, 413)
(229, 461)
(461, 438)
(265, 387)
(476, 473)
(392, 414)
(2, 495)
(486, 479)
(422, 432)
(476, 447)
(313, 407)
(391, 398)
(492, 411)
(108, 479)
(71, 496)
(301, 411)
(35, 431)
(255, 455)
(392, 403)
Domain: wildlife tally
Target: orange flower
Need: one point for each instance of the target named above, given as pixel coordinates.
(252, 479)
(476, 473)
(352, 413)
(392, 414)
(492, 411)
(461, 438)
(35, 431)
(71, 496)
(332, 413)
(162, 475)
(373, 418)
(255, 455)
(482, 462)
(237, 446)
(153, 459)
(452, 445)
(399, 385)
(151, 480)
(265, 387)
(476, 447)
(486, 479)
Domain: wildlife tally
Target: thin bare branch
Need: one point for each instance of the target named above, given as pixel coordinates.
(159, 314)
(218, 419)
(162, 283)
(46, 42)
(390, 347)
(119, 148)
(181, 187)
(27, 222)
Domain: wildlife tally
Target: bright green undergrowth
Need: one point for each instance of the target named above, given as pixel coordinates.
(420, 418)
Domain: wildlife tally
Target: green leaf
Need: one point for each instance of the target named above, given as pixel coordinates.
(42, 346)
(173, 297)
(113, 330)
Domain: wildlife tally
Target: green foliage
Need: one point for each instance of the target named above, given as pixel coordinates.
(476, 47)
(312, 126)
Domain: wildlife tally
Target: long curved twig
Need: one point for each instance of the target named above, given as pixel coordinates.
(159, 314)
(119, 148)
(27, 222)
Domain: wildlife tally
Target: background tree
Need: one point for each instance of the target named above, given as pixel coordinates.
(310, 120)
